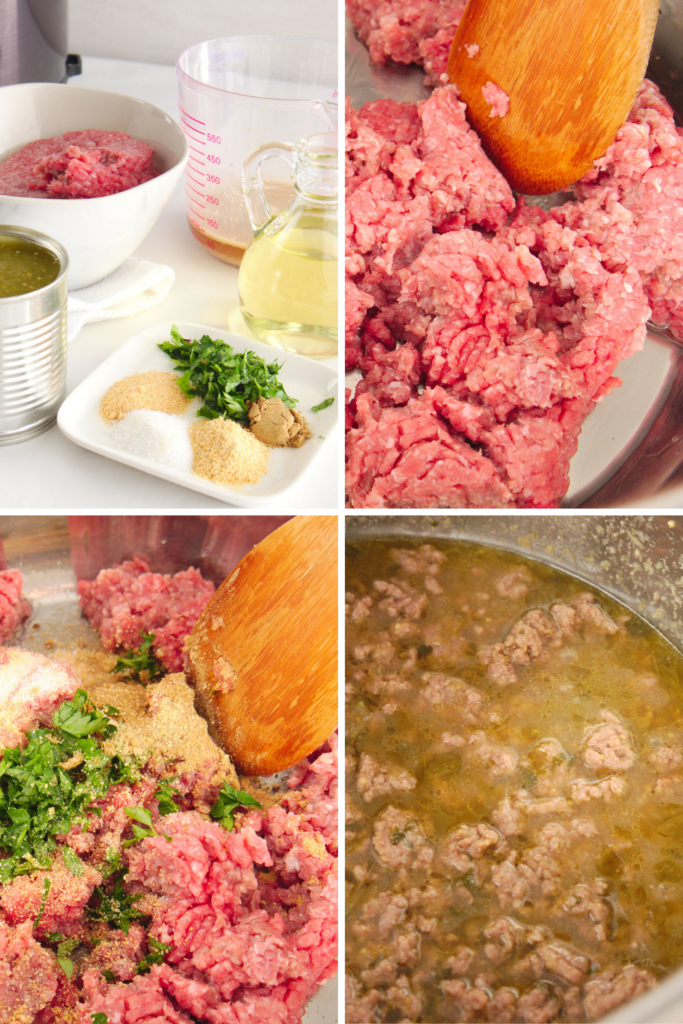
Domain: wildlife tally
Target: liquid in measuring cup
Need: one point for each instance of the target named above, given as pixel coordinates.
(216, 212)
(235, 93)
(289, 290)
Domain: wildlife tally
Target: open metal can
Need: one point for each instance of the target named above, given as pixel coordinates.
(33, 348)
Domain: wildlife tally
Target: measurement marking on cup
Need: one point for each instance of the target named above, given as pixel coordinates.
(193, 179)
(191, 128)
(200, 151)
(190, 116)
(200, 194)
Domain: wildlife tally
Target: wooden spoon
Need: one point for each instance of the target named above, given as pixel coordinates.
(263, 654)
(571, 69)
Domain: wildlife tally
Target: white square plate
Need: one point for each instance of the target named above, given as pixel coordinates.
(304, 379)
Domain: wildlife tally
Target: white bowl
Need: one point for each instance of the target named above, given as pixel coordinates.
(98, 234)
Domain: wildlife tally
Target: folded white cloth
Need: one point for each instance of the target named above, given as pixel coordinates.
(135, 286)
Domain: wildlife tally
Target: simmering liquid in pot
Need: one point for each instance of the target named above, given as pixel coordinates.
(515, 825)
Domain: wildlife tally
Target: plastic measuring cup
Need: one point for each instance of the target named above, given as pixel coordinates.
(236, 94)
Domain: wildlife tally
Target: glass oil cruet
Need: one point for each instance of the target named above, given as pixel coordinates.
(288, 276)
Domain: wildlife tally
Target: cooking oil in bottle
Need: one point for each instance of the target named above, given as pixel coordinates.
(288, 276)
(288, 288)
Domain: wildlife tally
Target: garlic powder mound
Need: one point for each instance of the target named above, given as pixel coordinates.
(226, 453)
(156, 390)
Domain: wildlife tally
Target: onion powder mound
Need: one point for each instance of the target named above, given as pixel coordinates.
(154, 435)
(226, 453)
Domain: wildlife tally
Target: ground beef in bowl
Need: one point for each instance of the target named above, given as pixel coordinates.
(77, 165)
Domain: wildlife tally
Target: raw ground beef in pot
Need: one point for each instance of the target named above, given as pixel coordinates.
(486, 329)
(14, 607)
(128, 600)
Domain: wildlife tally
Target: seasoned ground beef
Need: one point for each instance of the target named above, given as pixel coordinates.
(485, 329)
(144, 897)
(31, 688)
(246, 920)
(77, 165)
(128, 600)
(514, 798)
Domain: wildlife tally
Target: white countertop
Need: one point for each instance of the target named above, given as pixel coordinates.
(51, 472)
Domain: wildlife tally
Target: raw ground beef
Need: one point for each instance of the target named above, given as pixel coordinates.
(14, 608)
(128, 600)
(31, 688)
(497, 98)
(77, 165)
(486, 329)
(407, 31)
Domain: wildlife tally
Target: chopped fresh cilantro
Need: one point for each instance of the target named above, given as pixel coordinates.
(66, 965)
(51, 784)
(46, 889)
(157, 952)
(79, 717)
(145, 818)
(112, 862)
(101, 1018)
(229, 799)
(65, 947)
(323, 405)
(142, 815)
(131, 664)
(227, 381)
(164, 793)
(115, 907)
(73, 862)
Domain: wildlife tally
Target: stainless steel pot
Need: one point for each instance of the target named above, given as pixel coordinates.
(54, 552)
(33, 36)
(636, 559)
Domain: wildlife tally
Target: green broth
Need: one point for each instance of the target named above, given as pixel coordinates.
(25, 266)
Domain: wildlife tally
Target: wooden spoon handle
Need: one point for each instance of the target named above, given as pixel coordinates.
(263, 655)
(571, 69)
